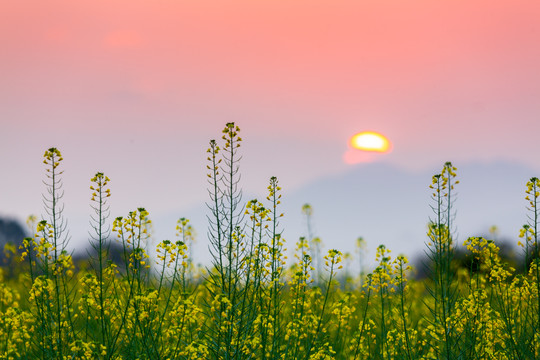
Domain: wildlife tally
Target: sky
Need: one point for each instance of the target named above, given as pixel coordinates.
(136, 89)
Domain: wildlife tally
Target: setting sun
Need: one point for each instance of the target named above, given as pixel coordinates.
(370, 141)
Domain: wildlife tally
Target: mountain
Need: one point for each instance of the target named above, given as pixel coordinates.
(391, 206)
(388, 205)
(11, 231)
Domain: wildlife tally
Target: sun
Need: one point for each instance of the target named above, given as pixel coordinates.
(370, 141)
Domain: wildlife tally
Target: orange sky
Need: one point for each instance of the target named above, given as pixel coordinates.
(353, 59)
(103, 80)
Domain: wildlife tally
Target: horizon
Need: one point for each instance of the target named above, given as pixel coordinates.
(476, 209)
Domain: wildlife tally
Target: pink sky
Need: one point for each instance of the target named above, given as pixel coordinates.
(137, 88)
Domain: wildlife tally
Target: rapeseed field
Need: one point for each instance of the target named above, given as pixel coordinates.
(252, 302)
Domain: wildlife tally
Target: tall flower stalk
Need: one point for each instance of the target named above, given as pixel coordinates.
(228, 246)
(99, 242)
(440, 253)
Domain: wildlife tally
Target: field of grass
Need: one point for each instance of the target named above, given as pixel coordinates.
(251, 302)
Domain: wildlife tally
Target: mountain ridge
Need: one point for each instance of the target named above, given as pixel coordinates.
(388, 205)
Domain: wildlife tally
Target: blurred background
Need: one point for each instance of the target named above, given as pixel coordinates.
(136, 89)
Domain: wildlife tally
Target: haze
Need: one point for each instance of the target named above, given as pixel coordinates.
(136, 89)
